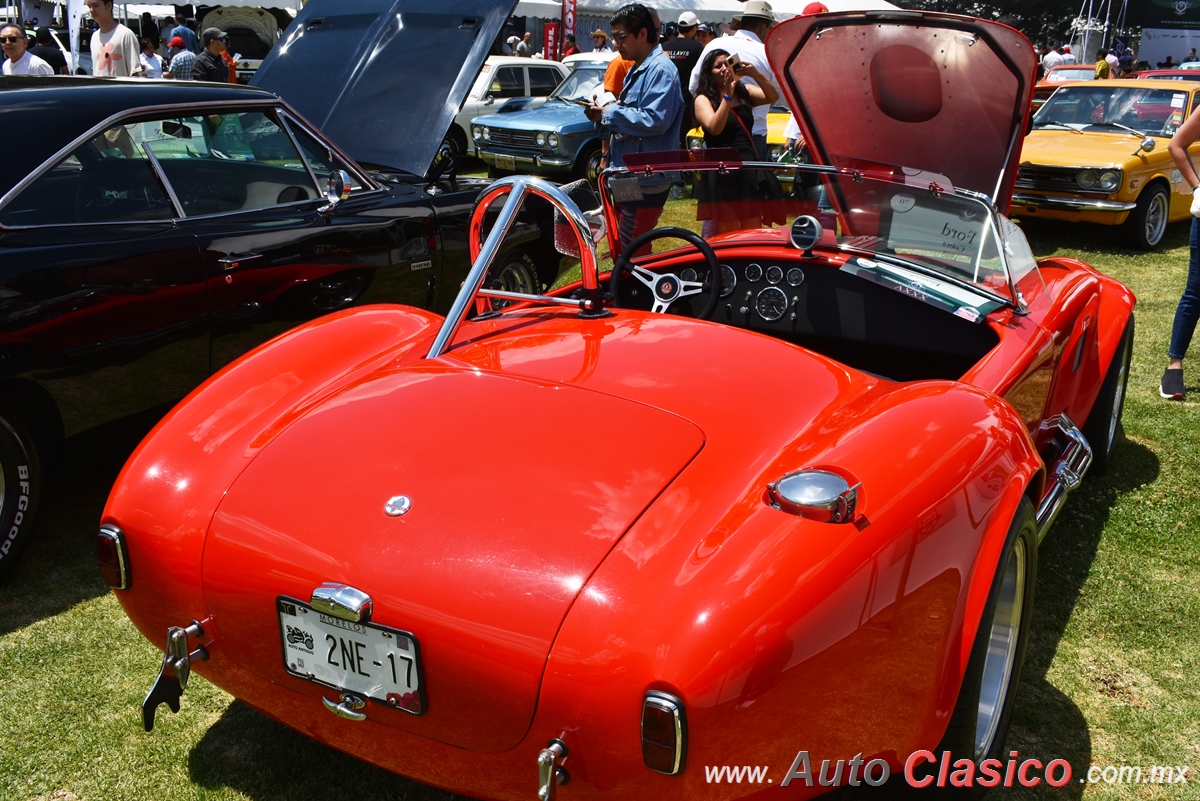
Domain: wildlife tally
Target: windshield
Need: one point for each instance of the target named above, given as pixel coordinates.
(954, 246)
(580, 84)
(1062, 76)
(1116, 109)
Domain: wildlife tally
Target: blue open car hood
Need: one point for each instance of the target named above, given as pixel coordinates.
(383, 78)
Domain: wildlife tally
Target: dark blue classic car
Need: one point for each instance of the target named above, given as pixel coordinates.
(548, 136)
(152, 231)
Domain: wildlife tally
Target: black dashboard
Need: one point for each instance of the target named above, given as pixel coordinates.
(815, 302)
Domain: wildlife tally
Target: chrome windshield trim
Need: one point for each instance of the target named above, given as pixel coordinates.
(896, 261)
(162, 176)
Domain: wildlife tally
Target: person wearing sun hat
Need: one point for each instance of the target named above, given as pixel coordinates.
(600, 41)
(756, 19)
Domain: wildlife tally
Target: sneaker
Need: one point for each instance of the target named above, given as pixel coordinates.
(1172, 384)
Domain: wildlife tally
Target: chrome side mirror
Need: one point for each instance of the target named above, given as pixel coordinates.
(815, 494)
(1148, 144)
(337, 190)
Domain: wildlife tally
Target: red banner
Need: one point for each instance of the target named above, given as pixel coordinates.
(550, 32)
(568, 19)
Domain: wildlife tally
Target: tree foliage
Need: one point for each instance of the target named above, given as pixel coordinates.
(1043, 21)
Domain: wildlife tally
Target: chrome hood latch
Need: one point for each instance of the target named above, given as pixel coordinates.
(176, 668)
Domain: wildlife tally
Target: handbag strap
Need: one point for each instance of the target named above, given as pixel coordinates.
(753, 146)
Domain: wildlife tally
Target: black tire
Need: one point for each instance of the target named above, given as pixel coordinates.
(20, 488)
(338, 291)
(1147, 223)
(587, 166)
(1104, 421)
(456, 141)
(516, 271)
(981, 718)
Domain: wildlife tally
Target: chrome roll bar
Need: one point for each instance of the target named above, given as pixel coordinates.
(515, 187)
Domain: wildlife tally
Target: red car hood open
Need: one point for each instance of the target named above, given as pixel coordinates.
(934, 93)
(509, 518)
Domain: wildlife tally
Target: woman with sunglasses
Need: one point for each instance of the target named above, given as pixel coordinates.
(20, 61)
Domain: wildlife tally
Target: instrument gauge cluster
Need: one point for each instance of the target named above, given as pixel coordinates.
(771, 304)
(754, 272)
(728, 280)
(774, 274)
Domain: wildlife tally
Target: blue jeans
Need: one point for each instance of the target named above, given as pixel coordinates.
(1189, 304)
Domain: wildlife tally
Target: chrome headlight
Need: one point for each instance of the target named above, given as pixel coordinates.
(540, 139)
(1110, 180)
(487, 134)
(695, 143)
(552, 139)
(1087, 179)
(476, 132)
(774, 152)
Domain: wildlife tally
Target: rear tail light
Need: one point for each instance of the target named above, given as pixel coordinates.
(664, 733)
(113, 556)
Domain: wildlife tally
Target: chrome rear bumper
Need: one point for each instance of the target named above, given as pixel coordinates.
(1066, 472)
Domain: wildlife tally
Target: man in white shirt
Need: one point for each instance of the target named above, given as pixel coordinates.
(754, 22)
(1053, 59)
(115, 50)
(1067, 56)
(20, 61)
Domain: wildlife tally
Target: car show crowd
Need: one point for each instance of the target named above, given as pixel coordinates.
(661, 82)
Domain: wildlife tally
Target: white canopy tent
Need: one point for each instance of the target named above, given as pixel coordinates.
(705, 9)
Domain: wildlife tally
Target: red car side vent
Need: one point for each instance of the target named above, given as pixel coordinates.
(113, 556)
(664, 733)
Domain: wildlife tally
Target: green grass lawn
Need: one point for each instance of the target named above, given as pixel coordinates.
(1111, 676)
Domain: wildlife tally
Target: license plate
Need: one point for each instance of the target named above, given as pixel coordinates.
(505, 162)
(375, 662)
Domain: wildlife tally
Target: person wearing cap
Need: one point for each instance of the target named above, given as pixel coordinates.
(1126, 61)
(1067, 56)
(45, 49)
(20, 61)
(600, 41)
(704, 34)
(209, 65)
(646, 116)
(753, 23)
(114, 47)
(180, 60)
(684, 52)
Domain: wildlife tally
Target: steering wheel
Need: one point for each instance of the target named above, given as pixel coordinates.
(667, 288)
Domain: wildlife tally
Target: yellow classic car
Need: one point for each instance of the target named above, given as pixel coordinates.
(777, 118)
(1097, 152)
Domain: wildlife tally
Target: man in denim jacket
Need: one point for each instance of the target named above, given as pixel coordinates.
(645, 118)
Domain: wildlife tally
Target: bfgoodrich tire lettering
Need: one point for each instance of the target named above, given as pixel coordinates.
(981, 718)
(20, 484)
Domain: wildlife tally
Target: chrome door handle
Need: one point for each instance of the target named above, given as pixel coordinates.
(233, 262)
(348, 708)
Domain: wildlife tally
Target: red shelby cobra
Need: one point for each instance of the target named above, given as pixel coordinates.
(775, 491)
